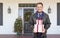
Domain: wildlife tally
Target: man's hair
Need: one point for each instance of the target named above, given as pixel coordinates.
(40, 3)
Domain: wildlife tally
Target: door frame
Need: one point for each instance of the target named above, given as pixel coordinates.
(23, 15)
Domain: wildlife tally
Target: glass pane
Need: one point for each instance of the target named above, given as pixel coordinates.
(27, 5)
(1, 13)
(58, 13)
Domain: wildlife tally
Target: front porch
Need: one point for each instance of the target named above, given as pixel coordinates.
(14, 36)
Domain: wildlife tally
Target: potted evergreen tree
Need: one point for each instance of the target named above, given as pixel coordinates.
(18, 26)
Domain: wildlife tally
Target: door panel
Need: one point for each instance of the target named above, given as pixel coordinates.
(27, 14)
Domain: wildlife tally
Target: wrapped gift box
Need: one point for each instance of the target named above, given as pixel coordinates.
(38, 27)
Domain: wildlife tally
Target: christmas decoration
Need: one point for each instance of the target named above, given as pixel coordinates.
(27, 16)
(18, 26)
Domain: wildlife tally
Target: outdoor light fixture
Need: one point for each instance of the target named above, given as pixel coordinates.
(9, 10)
(49, 10)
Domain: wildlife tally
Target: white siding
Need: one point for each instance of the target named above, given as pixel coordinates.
(8, 19)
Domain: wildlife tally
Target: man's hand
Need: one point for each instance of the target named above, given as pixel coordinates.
(43, 30)
(34, 31)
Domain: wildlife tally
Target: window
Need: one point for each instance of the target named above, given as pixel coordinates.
(27, 5)
(58, 13)
(1, 13)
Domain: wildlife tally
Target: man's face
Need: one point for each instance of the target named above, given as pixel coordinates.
(39, 8)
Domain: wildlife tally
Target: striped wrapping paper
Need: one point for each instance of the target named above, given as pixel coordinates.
(39, 26)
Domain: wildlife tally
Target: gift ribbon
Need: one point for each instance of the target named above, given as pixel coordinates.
(37, 25)
(42, 26)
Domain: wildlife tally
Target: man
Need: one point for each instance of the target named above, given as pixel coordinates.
(34, 21)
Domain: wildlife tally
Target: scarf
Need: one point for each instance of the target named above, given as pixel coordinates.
(39, 16)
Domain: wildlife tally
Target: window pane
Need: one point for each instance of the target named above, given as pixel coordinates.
(58, 13)
(27, 5)
(1, 14)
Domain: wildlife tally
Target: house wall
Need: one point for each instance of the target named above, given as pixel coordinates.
(8, 19)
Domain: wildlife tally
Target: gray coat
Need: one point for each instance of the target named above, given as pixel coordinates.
(46, 21)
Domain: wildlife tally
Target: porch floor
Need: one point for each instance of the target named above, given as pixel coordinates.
(14, 36)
